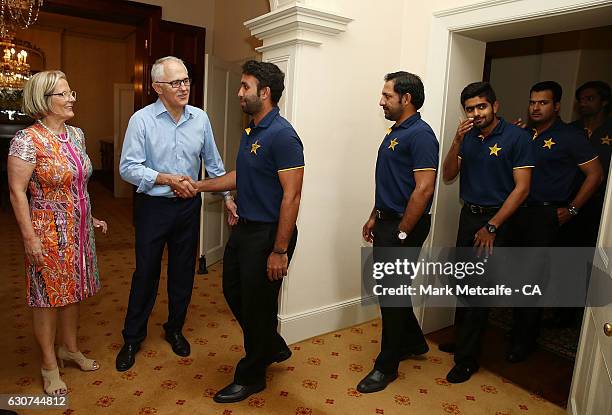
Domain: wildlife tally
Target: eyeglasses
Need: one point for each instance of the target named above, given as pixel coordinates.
(65, 95)
(176, 83)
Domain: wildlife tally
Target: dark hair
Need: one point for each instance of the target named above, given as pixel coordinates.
(408, 83)
(478, 89)
(551, 86)
(267, 75)
(602, 88)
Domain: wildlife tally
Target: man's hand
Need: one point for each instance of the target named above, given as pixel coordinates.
(483, 241)
(277, 266)
(231, 210)
(464, 126)
(563, 216)
(183, 186)
(519, 123)
(367, 230)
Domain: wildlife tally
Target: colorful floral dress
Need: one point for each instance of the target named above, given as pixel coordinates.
(61, 216)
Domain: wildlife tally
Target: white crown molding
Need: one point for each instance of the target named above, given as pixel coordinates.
(493, 3)
(297, 22)
(285, 43)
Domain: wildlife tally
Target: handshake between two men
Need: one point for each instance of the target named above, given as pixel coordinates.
(185, 187)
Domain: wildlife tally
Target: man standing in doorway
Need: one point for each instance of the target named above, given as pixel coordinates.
(495, 161)
(405, 179)
(593, 106)
(162, 151)
(558, 191)
(268, 177)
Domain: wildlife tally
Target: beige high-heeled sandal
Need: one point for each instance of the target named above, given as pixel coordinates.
(84, 363)
(52, 383)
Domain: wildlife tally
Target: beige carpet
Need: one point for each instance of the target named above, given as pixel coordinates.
(319, 379)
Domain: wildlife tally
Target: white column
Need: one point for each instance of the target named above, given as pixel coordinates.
(294, 36)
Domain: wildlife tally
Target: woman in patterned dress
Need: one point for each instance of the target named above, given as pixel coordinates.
(49, 159)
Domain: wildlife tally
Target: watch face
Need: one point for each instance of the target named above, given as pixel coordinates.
(402, 235)
(491, 228)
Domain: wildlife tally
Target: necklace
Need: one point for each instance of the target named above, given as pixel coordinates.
(59, 138)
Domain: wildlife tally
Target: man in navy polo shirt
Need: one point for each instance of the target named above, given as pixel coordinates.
(405, 179)
(567, 173)
(593, 106)
(494, 160)
(268, 177)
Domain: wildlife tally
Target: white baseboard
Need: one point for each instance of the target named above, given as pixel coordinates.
(315, 322)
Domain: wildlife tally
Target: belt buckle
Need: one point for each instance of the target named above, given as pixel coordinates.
(475, 209)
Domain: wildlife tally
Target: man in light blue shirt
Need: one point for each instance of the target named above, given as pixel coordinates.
(162, 151)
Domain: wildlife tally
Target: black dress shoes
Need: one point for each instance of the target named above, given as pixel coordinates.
(447, 347)
(127, 356)
(179, 343)
(460, 373)
(236, 393)
(375, 381)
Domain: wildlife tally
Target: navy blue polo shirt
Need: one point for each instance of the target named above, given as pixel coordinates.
(601, 140)
(265, 150)
(408, 147)
(487, 164)
(558, 152)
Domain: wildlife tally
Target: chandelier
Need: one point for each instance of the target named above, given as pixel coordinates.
(17, 14)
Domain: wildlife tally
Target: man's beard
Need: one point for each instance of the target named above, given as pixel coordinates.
(252, 106)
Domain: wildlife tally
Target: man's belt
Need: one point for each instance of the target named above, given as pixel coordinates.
(387, 215)
(481, 210)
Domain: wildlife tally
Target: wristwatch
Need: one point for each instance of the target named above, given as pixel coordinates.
(573, 210)
(491, 228)
(401, 235)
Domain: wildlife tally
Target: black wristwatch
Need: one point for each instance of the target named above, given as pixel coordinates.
(401, 235)
(573, 210)
(491, 228)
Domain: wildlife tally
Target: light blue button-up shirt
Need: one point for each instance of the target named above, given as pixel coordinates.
(154, 143)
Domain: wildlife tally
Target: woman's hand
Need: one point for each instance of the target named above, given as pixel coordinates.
(34, 251)
(100, 224)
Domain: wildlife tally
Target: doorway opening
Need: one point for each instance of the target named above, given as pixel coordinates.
(474, 43)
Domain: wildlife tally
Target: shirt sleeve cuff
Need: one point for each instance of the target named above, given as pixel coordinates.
(148, 180)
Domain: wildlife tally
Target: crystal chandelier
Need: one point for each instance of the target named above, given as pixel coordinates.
(14, 69)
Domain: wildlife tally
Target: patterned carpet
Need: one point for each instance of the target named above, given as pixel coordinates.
(319, 379)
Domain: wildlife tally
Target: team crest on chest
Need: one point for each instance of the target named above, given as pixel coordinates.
(606, 140)
(255, 146)
(495, 150)
(549, 143)
(393, 143)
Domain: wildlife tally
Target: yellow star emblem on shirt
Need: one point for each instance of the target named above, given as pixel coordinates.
(494, 150)
(393, 143)
(254, 147)
(549, 143)
(606, 140)
(247, 130)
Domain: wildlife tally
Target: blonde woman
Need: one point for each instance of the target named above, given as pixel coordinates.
(49, 159)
